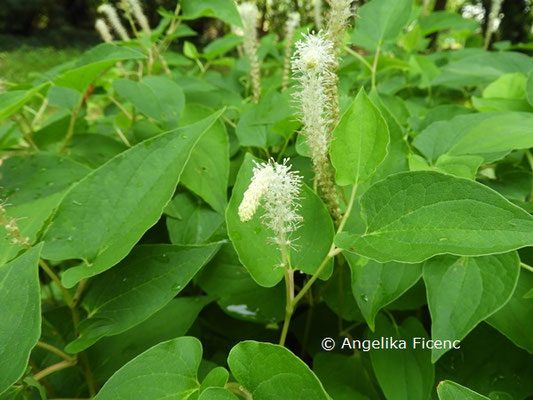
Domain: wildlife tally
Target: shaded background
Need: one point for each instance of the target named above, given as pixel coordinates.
(37, 34)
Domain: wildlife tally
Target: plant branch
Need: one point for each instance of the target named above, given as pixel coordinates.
(46, 268)
(375, 65)
(71, 125)
(53, 368)
(56, 351)
(525, 266)
(359, 57)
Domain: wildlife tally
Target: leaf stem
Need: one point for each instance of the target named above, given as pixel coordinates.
(71, 125)
(525, 266)
(56, 351)
(46, 268)
(238, 389)
(293, 300)
(359, 57)
(53, 368)
(289, 290)
(375, 65)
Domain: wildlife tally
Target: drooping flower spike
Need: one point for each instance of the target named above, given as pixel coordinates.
(103, 30)
(249, 15)
(139, 15)
(276, 188)
(292, 23)
(111, 13)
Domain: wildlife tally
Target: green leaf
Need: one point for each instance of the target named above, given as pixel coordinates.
(256, 123)
(359, 142)
(444, 20)
(269, 371)
(448, 390)
(258, 253)
(475, 367)
(20, 315)
(64, 97)
(238, 294)
(413, 216)
(224, 10)
(510, 320)
(217, 394)
(529, 88)
(217, 377)
(158, 97)
(93, 63)
(344, 377)
(143, 283)
(461, 166)
(33, 186)
(381, 21)
(14, 100)
(106, 213)
(193, 222)
(168, 370)
(489, 135)
(207, 171)
(112, 352)
(374, 285)
(464, 291)
(509, 86)
(402, 373)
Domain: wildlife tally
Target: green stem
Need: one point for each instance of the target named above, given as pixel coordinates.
(525, 266)
(46, 268)
(289, 290)
(375, 65)
(56, 351)
(333, 251)
(239, 390)
(53, 368)
(359, 57)
(71, 125)
(529, 157)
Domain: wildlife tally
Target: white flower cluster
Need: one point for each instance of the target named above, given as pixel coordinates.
(103, 30)
(138, 13)
(314, 63)
(340, 14)
(313, 56)
(475, 11)
(249, 15)
(292, 23)
(12, 228)
(277, 188)
(111, 13)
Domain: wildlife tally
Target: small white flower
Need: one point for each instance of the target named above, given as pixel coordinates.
(313, 55)
(276, 188)
(111, 14)
(103, 30)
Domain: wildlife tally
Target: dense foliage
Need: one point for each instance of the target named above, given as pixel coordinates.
(207, 224)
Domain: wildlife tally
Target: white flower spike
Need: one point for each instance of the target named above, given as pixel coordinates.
(111, 14)
(292, 23)
(313, 62)
(139, 15)
(103, 30)
(339, 16)
(249, 15)
(276, 188)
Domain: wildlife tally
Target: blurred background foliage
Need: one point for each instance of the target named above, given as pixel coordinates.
(38, 34)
